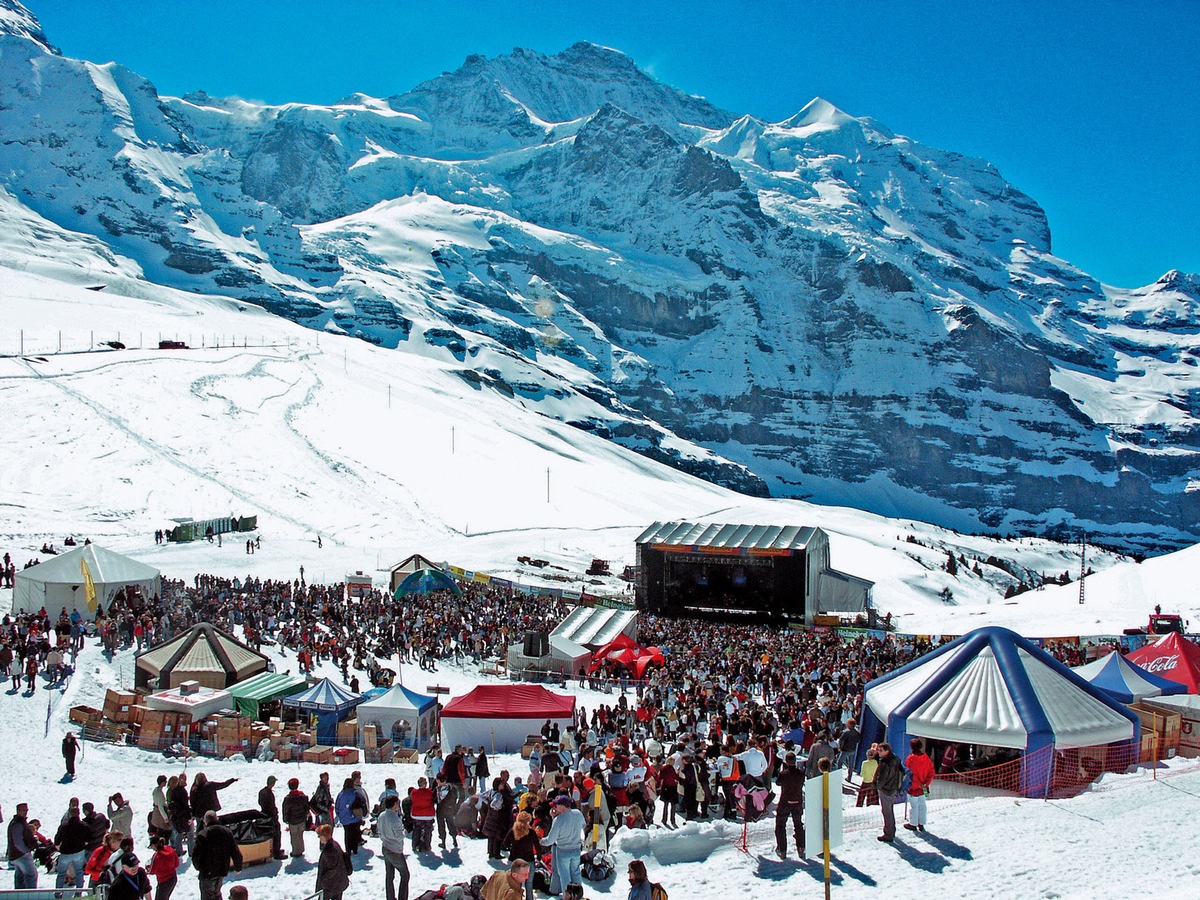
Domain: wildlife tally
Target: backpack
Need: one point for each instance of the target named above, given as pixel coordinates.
(657, 891)
(497, 800)
(597, 865)
(905, 784)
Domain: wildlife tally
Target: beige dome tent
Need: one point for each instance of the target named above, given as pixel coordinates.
(203, 653)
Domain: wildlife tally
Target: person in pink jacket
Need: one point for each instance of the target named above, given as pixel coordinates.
(921, 767)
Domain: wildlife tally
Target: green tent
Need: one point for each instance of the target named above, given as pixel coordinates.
(253, 692)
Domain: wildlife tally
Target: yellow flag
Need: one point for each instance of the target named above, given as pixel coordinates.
(89, 586)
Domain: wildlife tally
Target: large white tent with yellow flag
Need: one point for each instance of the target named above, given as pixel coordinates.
(81, 578)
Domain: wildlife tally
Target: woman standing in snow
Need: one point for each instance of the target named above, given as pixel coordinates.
(921, 766)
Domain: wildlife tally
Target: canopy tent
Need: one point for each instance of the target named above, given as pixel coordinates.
(565, 658)
(426, 581)
(200, 703)
(501, 716)
(629, 653)
(59, 584)
(329, 702)
(993, 687)
(250, 695)
(406, 718)
(1173, 657)
(203, 653)
(1124, 681)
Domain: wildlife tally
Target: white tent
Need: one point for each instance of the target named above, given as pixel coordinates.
(565, 658)
(406, 718)
(58, 584)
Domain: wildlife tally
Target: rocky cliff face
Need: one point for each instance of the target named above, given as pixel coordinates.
(815, 307)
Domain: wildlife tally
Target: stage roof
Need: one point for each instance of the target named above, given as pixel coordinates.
(728, 537)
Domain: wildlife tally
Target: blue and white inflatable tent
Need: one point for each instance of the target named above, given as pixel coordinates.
(995, 688)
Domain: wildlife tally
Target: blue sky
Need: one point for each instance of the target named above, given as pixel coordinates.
(1092, 108)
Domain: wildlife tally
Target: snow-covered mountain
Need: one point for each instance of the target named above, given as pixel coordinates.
(815, 308)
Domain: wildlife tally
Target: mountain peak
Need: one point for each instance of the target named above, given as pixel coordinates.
(818, 112)
(17, 20)
(1179, 281)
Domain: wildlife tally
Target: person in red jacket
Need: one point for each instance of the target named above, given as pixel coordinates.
(424, 809)
(921, 767)
(163, 866)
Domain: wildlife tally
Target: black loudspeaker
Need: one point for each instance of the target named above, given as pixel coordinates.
(537, 644)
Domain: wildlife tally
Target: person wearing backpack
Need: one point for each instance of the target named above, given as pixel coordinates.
(889, 776)
(640, 885)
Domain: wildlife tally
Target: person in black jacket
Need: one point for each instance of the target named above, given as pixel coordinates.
(70, 746)
(203, 797)
(888, 778)
(21, 843)
(71, 842)
(266, 805)
(791, 805)
(179, 810)
(131, 882)
(215, 851)
(97, 826)
(295, 815)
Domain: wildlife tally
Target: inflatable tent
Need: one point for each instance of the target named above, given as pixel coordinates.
(595, 626)
(629, 653)
(501, 716)
(203, 653)
(995, 688)
(58, 583)
(404, 717)
(329, 702)
(426, 581)
(1124, 681)
(1173, 657)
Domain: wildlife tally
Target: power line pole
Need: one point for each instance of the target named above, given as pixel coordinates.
(1082, 564)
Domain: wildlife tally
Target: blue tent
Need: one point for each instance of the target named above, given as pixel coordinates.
(329, 702)
(426, 581)
(995, 688)
(1125, 681)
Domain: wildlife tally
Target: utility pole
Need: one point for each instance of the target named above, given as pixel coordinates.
(1082, 564)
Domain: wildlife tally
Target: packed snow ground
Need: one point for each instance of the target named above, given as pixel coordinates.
(1130, 836)
(384, 455)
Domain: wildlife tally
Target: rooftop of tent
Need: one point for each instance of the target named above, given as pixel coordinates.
(695, 535)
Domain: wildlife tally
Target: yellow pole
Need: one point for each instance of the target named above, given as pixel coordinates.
(597, 799)
(825, 826)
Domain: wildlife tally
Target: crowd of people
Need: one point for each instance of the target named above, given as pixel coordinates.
(736, 720)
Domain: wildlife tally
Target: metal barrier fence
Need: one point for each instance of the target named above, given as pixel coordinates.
(100, 892)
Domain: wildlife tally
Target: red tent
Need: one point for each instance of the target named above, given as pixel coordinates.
(1171, 656)
(525, 701)
(501, 716)
(625, 650)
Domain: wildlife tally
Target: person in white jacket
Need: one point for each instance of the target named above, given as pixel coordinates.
(565, 841)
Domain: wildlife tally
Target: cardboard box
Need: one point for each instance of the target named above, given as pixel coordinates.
(370, 737)
(345, 756)
(1161, 722)
(347, 731)
(318, 755)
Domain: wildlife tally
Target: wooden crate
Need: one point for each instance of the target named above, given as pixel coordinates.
(1158, 721)
(86, 715)
(406, 756)
(118, 706)
(345, 756)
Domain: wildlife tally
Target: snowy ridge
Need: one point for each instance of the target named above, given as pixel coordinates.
(814, 308)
